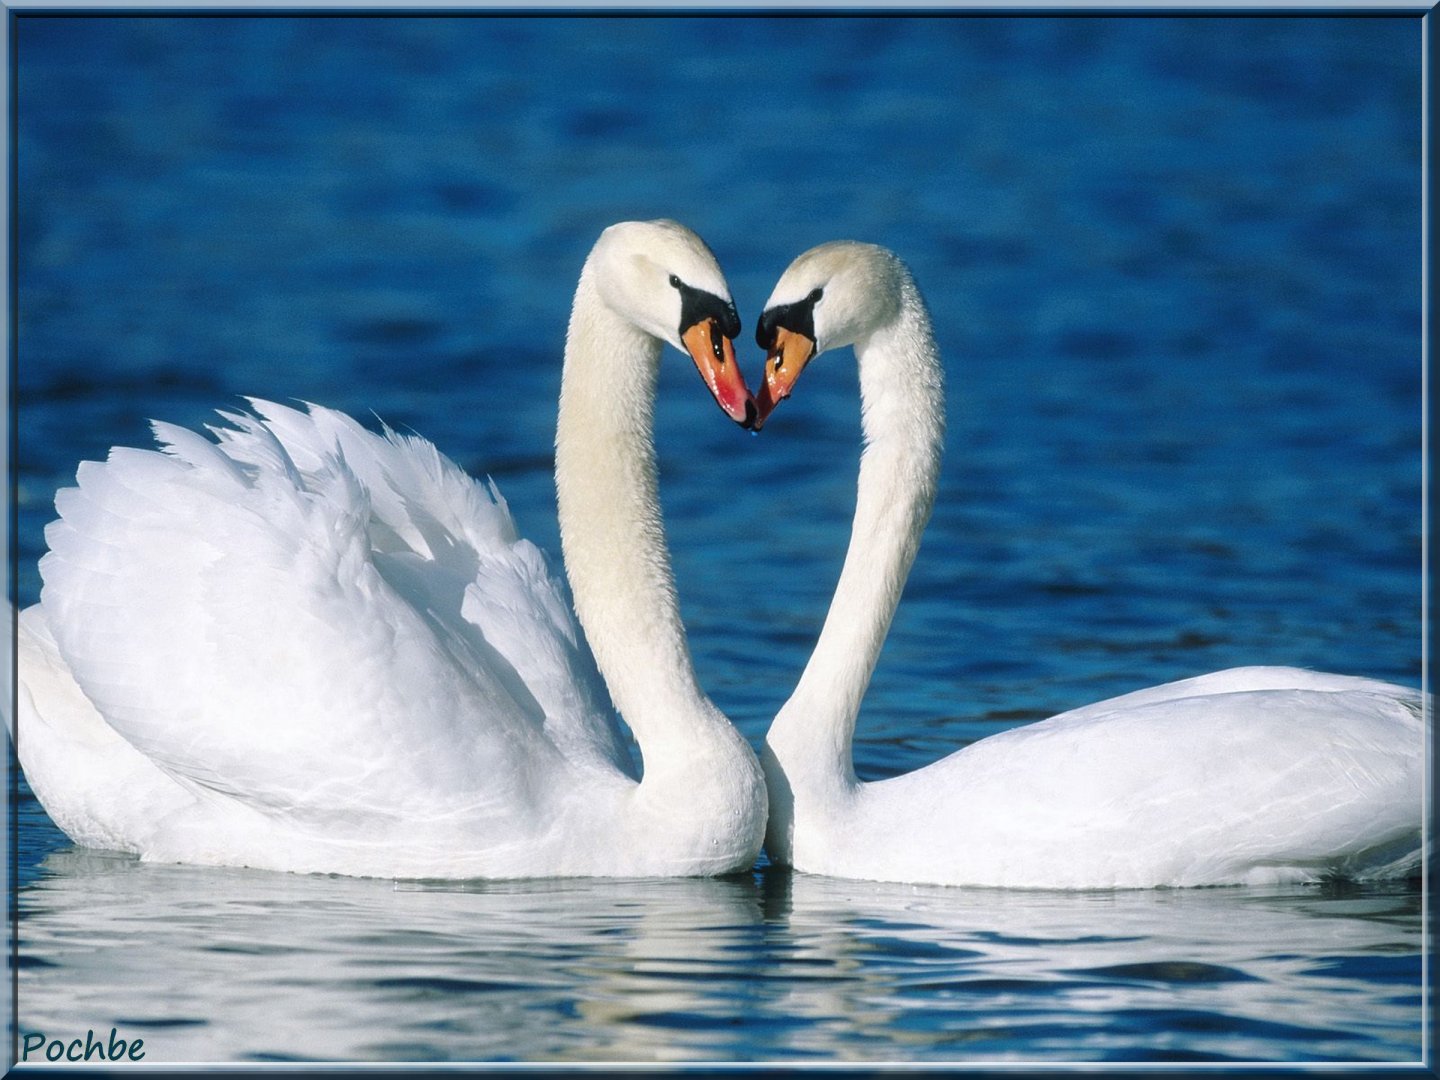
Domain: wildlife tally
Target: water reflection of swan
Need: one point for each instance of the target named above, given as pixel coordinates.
(937, 972)
(1253, 775)
(229, 964)
(314, 648)
(225, 964)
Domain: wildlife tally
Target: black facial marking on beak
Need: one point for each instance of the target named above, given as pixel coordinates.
(798, 318)
(697, 305)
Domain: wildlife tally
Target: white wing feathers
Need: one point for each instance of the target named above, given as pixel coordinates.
(308, 599)
(432, 517)
(1252, 774)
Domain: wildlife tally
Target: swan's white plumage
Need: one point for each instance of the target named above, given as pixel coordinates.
(1252, 775)
(308, 646)
(1208, 786)
(364, 659)
(94, 785)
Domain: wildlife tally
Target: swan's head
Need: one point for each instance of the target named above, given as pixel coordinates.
(834, 295)
(662, 278)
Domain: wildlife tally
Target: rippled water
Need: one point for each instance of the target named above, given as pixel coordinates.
(1175, 268)
(244, 965)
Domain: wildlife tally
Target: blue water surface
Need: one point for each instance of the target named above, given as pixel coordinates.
(1175, 269)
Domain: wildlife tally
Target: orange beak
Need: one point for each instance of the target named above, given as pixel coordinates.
(714, 358)
(784, 363)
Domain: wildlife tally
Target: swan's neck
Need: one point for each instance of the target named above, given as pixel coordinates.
(903, 419)
(611, 530)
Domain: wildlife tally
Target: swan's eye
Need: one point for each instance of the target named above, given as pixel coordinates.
(815, 295)
(674, 282)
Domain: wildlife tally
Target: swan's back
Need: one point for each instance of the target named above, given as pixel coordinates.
(328, 628)
(1248, 776)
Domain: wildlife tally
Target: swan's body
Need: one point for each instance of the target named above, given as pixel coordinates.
(1251, 775)
(315, 648)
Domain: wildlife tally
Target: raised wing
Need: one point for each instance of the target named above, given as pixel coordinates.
(433, 527)
(322, 623)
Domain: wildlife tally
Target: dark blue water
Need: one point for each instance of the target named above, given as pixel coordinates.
(1175, 269)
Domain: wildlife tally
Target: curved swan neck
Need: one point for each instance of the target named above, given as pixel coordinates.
(903, 420)
(611, 530)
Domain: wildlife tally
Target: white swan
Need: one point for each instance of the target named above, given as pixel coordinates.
(314, 648)
(1253, 775)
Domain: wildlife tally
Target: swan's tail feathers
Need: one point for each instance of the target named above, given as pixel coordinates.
(1369, 757)
(94, 785)
(1413, 850)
